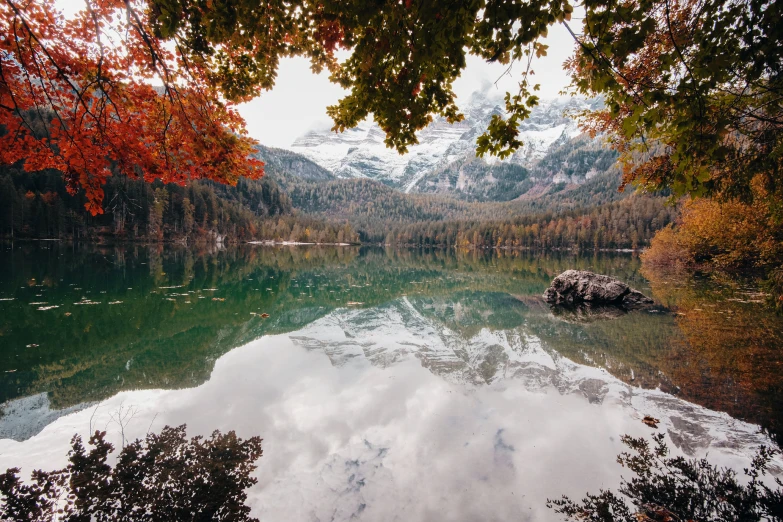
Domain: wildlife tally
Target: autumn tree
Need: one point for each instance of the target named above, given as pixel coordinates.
(725, 235)
(691, 87)
(692, 90)
(76, 95)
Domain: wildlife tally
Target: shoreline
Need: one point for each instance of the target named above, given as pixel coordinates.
(269, 242)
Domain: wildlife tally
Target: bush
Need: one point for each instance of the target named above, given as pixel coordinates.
(164, 478)
(668, 249)
(671, 489)
(727, 235)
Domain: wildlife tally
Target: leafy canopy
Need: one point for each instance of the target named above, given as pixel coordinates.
(691, 87)
(75, 96)
(693, 92)
(404, 54)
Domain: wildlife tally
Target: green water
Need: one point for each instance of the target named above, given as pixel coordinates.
(81, 323)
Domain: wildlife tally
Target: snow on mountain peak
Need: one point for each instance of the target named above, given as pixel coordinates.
(361, 152)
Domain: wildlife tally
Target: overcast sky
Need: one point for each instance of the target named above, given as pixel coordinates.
(299, 99)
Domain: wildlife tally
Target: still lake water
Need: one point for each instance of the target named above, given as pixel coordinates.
(387, 385)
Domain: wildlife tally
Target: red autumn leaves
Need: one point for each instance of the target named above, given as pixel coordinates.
(77, 95)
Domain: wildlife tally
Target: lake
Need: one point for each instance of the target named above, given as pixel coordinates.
(386, 384)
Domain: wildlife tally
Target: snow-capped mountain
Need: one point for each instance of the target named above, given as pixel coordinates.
(25, 417)
(361, 152)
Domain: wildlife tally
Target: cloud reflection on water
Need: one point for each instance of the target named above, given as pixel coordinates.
(365, 442)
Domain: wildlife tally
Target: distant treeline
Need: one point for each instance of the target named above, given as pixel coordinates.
(629, 223)
(589, 216)
(38, 206)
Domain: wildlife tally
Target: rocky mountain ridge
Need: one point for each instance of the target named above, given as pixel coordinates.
(444, 161)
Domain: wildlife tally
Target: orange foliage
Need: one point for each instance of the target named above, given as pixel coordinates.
(667, 248)
(725, 234)
(49, 197)
(728, 235)
(76, 95)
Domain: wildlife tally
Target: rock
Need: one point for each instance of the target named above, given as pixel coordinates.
(573, 287)
(636, 299)
(587, 313)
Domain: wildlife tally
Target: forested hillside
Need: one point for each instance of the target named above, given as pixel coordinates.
(300, 201)
(39, 206)
(630, 223)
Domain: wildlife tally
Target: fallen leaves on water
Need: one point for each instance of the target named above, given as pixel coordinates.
(67, 314)
(650, 421)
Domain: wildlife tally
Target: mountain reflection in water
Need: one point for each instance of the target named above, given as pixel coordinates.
(384, 383)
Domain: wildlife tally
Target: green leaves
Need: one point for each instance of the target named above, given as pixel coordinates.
(686, 88)
(501, 136)
(404, 56)
(695, 86)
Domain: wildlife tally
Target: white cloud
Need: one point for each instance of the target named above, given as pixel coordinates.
(549, 73)
(296, 104)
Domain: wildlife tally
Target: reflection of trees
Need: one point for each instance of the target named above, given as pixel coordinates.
(726, 361)
(630, 347)
(730, 355)
(156, 338)
(152, 338)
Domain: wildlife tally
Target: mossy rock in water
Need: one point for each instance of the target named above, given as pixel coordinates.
(580, 286)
